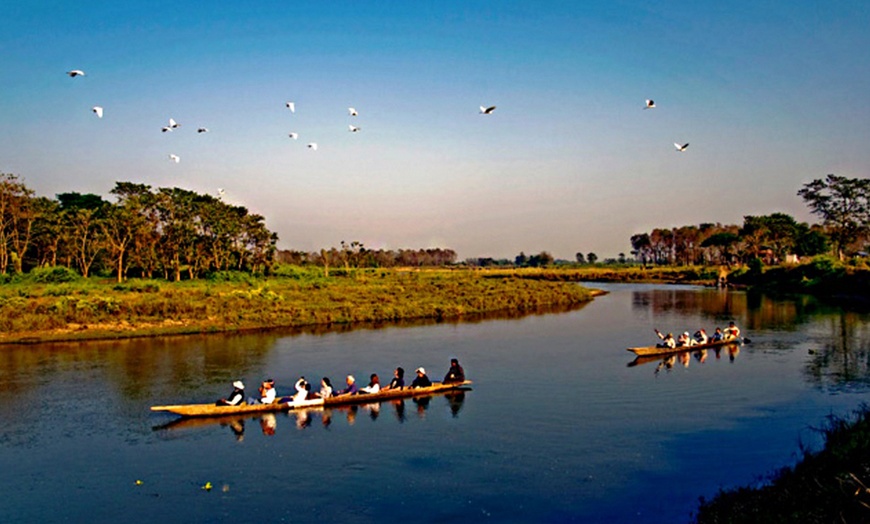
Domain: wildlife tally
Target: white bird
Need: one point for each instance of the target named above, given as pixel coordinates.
(221, 192)
(98, 110)
(75, 72)
(291, 106)
(650, 104)
(681, 148)
(202, 130)
(351, 111)
(294, 136)
(487, 110)
(175, 158)
(352, 129)
(172, 125)
(313, 146)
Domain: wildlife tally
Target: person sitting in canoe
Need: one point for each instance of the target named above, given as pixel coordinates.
(421, 381)
(374, 385)
(718, 335)
(685, 340)
(325, 388)
(455, 373)
(351, 389)
(398, 381)
(701, 337)
(667, 340)
(302, 389)
(732, 332)
(267, 393)
(236, 397)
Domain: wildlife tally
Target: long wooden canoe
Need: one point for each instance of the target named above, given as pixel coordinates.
(655, 350)
(366, 398)
(211, 410)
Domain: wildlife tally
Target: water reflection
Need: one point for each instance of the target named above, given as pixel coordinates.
(840, 343)
(303, 419)
(683, 359)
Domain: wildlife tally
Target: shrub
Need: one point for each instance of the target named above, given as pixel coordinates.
(53, 275)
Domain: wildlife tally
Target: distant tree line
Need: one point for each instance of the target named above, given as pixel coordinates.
(146, 232)
(842, 203)
(356, 255)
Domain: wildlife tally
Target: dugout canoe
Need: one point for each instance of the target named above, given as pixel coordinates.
(211, 410)
(366, 398)
(654, 350)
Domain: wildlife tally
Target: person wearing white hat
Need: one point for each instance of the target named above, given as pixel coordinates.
(236, 397)
(351, 389)
(421, 380)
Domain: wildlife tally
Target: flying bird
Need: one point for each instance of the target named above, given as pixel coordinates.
(75, 72)
(98, 110)
(352, 129)
(313, 146)
(221, 192)
(202, 130)
(352, 112)
(291, 106)
(681, 148)
(294, 136)
(175, 158)
(487, 110)
(650, 104)
(172, 125)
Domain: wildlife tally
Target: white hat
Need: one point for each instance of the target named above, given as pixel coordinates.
(420, 370)
(350, 378)
(238, 384)
(685, 333)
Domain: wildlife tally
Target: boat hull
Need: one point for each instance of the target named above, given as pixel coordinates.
(211, 410)
(653, 350)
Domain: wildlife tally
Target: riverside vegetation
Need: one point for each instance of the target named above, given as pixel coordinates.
(57, 304)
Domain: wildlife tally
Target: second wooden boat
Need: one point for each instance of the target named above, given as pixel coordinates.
(655, 350)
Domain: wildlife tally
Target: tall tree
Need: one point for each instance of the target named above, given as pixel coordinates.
(844, 206)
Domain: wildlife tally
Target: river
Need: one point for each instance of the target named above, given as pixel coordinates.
(561, 424)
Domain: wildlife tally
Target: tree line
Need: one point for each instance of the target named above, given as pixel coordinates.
(355, 255)
(843, 204)
(146, 232)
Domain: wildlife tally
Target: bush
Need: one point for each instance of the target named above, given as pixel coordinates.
(53, 275)
(231, 276)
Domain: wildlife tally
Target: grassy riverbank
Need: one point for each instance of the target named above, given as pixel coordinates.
(832, 485)
(40, 307)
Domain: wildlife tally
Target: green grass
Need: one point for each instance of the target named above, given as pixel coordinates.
(32, 310)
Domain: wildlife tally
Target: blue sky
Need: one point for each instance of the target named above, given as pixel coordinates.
(770, 95)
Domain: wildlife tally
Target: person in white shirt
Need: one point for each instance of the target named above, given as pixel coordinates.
(374, 385)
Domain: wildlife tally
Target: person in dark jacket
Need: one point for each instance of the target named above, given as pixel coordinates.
(455, 373)
(398, 381)
(421, 381)
(236, 397)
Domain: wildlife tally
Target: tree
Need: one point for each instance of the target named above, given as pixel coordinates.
(581, 258)
(16, 221)
(641, 247)
(844, 206)
(592, 257)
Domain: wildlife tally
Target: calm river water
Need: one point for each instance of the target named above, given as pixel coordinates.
(558, 428)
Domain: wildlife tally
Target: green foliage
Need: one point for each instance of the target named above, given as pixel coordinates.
(296, 272)
(232, 276)
(54, 275)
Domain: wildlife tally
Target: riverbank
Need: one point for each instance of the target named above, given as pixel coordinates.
(831, 485)
(37, 311)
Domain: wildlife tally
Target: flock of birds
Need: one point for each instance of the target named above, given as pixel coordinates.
(352, 112)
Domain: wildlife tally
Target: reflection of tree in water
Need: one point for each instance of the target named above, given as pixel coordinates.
(842, 361)
(754, 310)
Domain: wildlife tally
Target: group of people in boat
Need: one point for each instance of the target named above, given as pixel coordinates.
(732, 332)
(268, 394)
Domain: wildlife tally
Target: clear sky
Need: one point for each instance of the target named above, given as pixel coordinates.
(768, 94)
